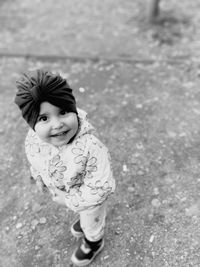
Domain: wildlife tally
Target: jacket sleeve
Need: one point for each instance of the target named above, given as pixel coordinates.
(98, 182)
(32, 154)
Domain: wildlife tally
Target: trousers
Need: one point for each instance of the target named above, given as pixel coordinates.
(92, 222)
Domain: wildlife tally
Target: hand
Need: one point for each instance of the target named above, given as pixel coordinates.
(32, 180)
(41, 186)
(59, 198)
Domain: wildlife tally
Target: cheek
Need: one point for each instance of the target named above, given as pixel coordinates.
(73, 122)
(75, 125)
(41, 131)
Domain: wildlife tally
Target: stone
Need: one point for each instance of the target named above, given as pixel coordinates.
(125, 169)
(81, 90)
(156, 203)
(131, 189)
(19, 225)
(151, 238)
(42, 220)
(34, 223)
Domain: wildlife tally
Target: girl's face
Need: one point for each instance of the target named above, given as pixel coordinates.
(55, 125)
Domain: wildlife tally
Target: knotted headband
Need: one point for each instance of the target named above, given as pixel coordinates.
(40, 86)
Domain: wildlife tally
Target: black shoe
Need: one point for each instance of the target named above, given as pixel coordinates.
(76, 229)
(86, 252)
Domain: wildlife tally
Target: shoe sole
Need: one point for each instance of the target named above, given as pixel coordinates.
(86, 262)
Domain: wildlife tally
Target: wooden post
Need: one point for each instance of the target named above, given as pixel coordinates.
(154, 10)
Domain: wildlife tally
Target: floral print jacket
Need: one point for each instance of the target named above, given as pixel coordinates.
(80, 170)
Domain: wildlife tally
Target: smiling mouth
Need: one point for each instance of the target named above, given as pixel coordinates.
(60, 134)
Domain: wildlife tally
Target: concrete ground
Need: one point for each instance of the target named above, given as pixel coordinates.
(141, 91)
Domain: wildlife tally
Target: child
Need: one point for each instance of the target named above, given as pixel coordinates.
(66, 157)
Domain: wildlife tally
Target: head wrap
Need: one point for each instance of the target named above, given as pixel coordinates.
(40, 86)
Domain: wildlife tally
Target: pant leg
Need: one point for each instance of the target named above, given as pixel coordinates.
(93, 222)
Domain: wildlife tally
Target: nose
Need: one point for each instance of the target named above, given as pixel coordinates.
(57, 123)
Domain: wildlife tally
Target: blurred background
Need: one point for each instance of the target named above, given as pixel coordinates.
(100, 29)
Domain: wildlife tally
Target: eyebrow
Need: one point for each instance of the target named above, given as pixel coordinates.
(43, 114)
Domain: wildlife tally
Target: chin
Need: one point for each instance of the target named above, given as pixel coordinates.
(60, 143)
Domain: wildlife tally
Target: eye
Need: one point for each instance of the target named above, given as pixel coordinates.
(42, 118)
(63, 112)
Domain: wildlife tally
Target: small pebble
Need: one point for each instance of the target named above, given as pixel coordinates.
(118, 231)
(150, 216)
(42, 220)
(156, 191)
(124, 102)
(151, 238)
(125, 169)
(139, 106)
(131, 189)
(183, 199)
(155, 203)
(34, 223)
(26, 206)
(81, 90)
(139, 146)
(37, 247)
(19, 225)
